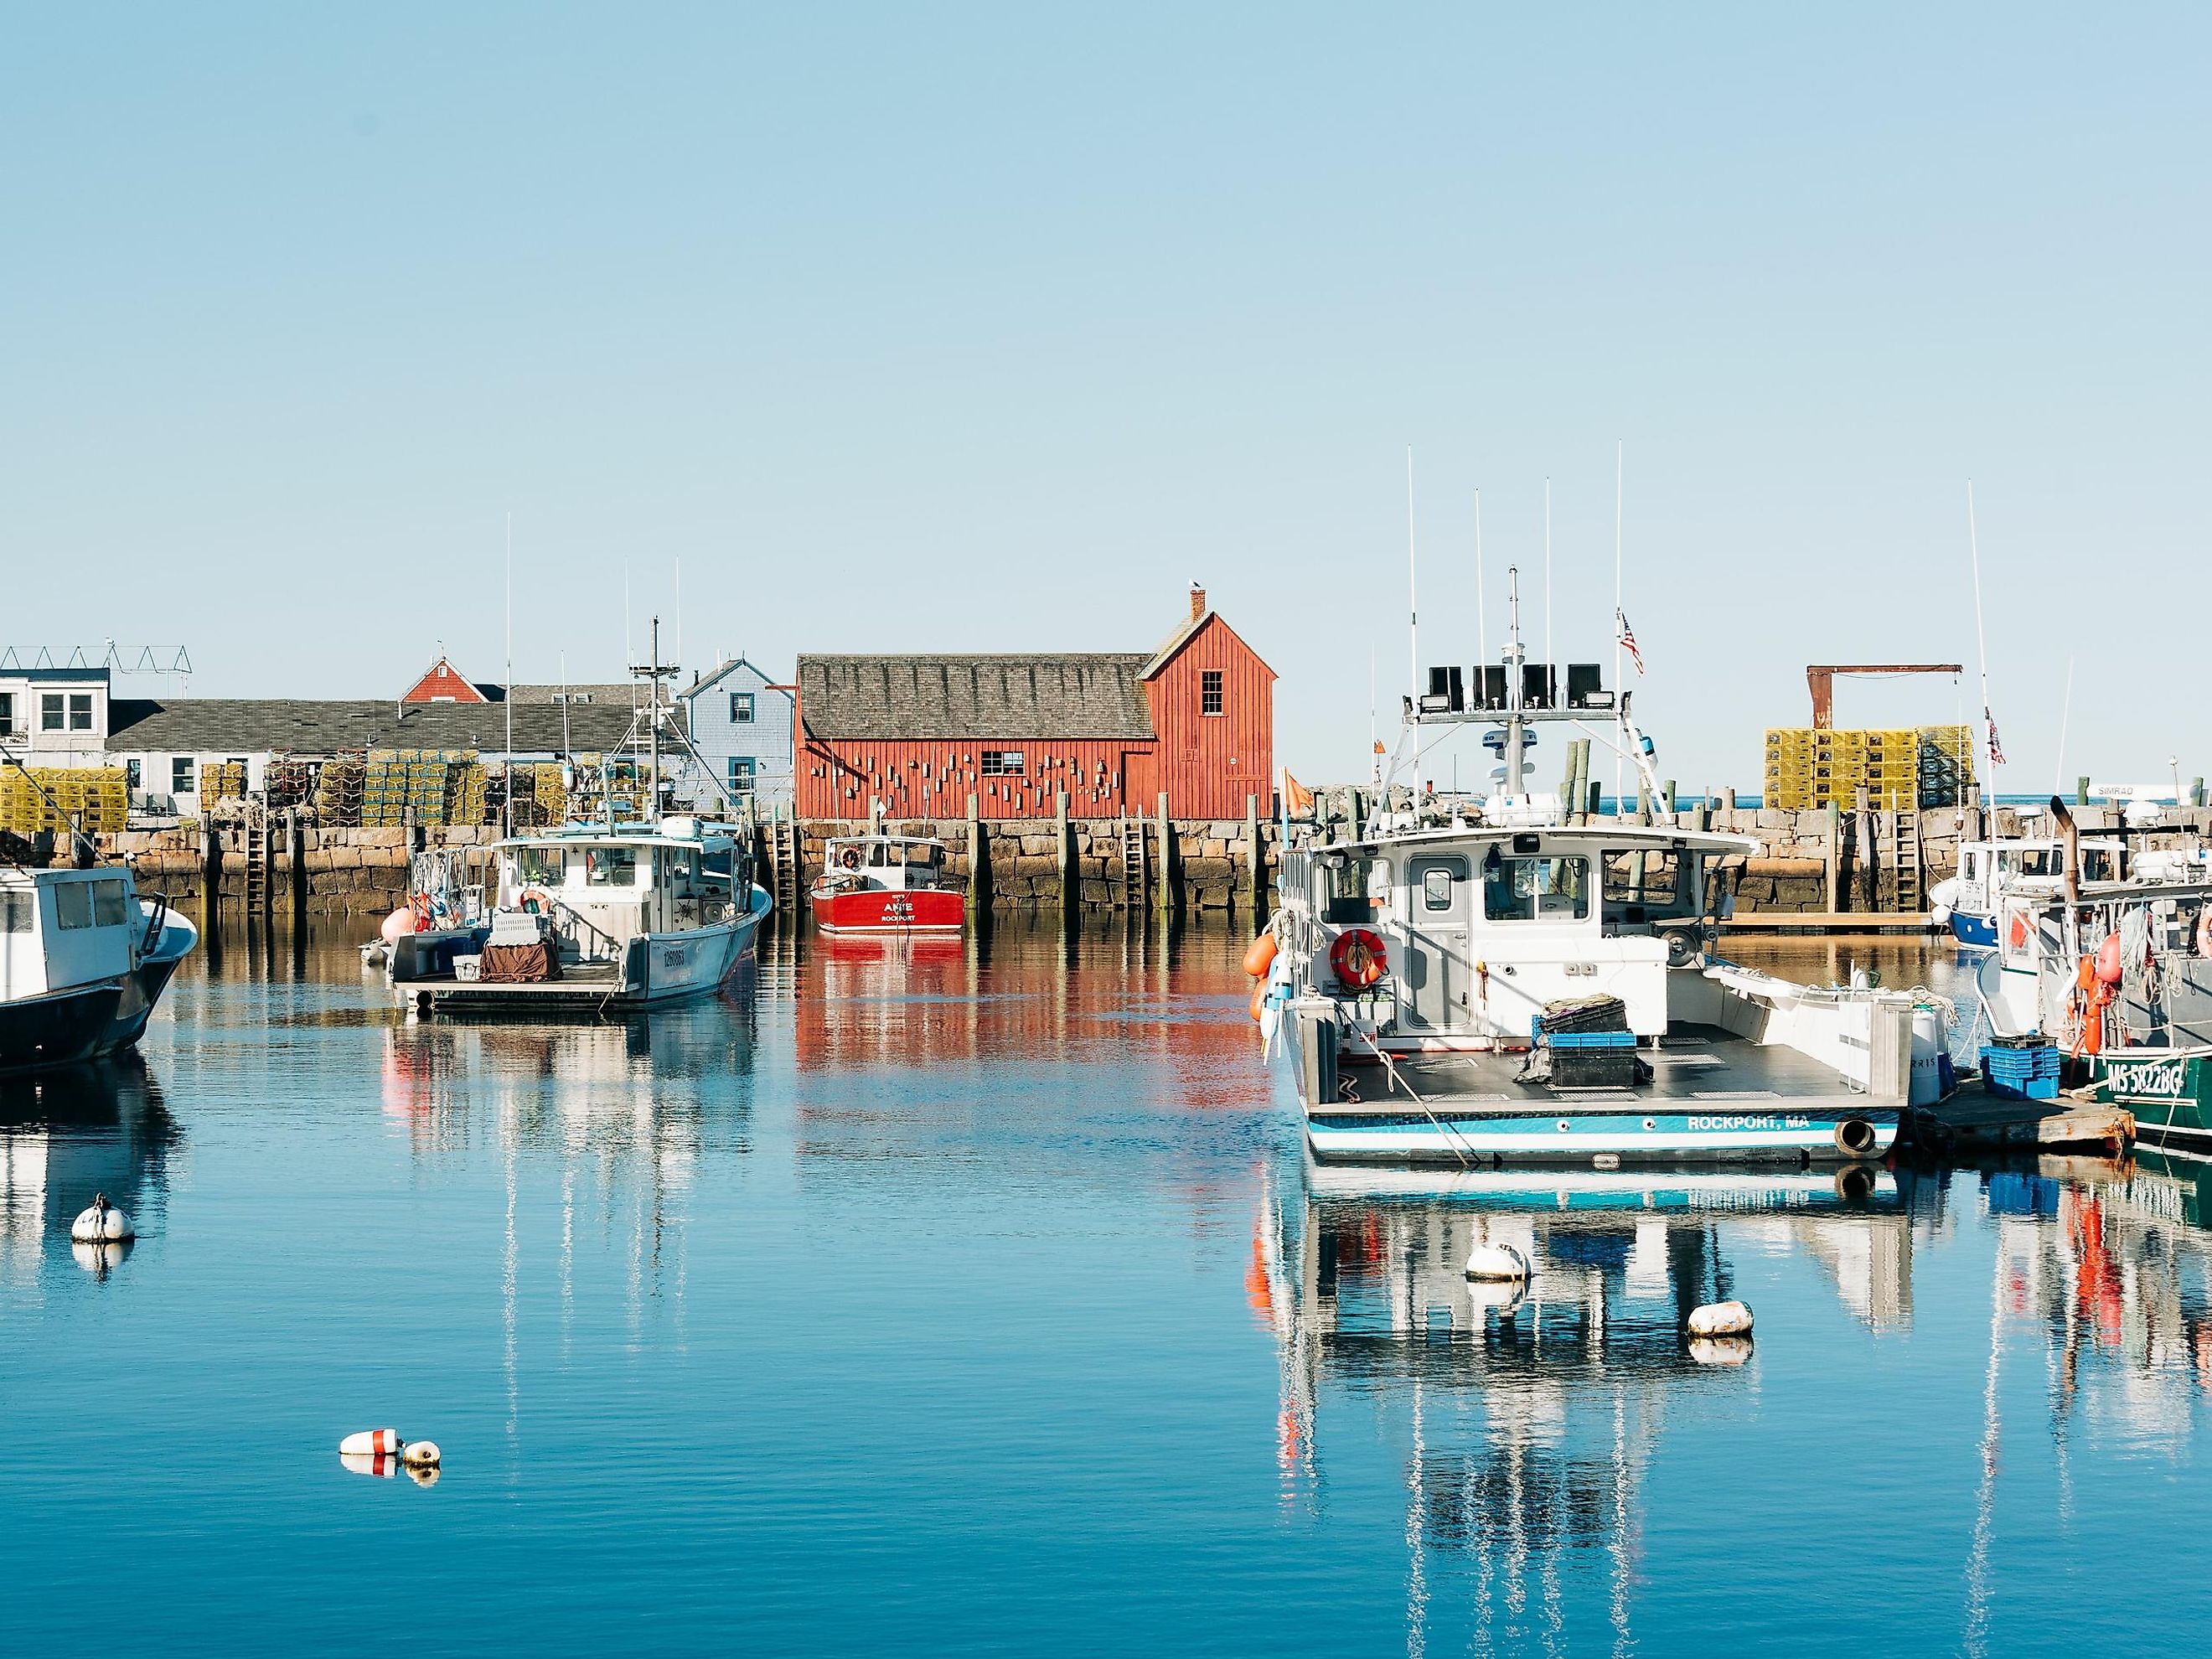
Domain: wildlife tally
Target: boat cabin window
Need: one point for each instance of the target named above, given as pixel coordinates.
(923, 858)
(2041, 862)
(611, 867)
(1435, 889)
(107, 904)
(541, 867)
(682, 867)
(2097, 865)
(73, 905)
(1344, 889)
(15, 912)
(1651, 877)
(1972, 868)
(1535, 889)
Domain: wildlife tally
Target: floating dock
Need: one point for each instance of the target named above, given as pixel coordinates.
(1973, 1120)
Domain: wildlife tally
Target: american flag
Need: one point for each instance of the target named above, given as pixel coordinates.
(1996, 748)
(1626, 635)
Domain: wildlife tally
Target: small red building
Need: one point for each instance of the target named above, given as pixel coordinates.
(443, 683)
(1112, 730)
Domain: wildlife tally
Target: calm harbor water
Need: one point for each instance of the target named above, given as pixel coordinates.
(950, 1301)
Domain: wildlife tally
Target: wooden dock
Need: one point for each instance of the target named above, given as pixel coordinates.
(1831, 921)
(1972, 1120)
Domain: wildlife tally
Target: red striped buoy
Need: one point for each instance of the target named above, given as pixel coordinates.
(371, 1443)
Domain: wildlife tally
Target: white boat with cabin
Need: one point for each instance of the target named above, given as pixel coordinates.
(83, 960)
(598, 918)
(1437, 978)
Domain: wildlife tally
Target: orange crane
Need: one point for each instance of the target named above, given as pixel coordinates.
(1821, 676)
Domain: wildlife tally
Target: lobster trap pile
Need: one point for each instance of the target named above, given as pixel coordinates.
(1903, 768)
(95, 800)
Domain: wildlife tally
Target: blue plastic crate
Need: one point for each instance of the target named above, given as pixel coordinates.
(2034, 1088)
(1590, 1040)
(2020, 1064)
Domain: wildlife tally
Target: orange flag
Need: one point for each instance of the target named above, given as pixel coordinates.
(1298, 800)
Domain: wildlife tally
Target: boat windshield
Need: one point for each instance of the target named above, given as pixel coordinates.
(1642, 877)
(541, 867)
(1535, 889)
(611, 867)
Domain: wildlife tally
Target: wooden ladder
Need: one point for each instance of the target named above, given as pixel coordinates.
(257, 861)
(783, 857)
(1132, 861)
(1905, 857)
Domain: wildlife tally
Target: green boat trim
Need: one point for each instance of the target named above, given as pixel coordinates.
(2169, 1090)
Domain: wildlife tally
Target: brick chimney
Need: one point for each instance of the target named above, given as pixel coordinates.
(1197, 602)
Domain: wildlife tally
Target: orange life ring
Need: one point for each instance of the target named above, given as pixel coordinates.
(1358, 957)
(535, 899)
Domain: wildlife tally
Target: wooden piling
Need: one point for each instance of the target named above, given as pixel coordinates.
(1255, 866)
(979, 863)
(1728, 798)
(1835, 855)
(2081, 790)
(1170, 865)
(2196, 792)
(295, 853)
(211, 868)
(1070, 894)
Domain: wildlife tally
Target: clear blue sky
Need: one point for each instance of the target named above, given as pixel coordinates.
(973, 328)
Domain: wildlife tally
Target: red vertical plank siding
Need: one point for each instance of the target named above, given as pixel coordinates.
(932, 778)
(1210, 762)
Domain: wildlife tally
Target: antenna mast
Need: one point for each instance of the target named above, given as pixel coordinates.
(1981, 639)
(1413, 594)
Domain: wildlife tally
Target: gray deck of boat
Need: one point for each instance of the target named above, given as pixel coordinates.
(592, 981)
(1695, 1065)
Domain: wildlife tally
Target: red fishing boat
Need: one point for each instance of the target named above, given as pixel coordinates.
(886, 885)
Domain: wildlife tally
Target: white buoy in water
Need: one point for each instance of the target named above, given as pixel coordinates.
(420, 1454)
(372, 1464)
(1720, 1350)
(1721, 1319)
(103, 1224)
(371, 1443)
(1497, 1261)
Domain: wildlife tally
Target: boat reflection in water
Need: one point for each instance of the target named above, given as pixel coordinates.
(1532, 1413)
(67, 1134)
(1531, 1417)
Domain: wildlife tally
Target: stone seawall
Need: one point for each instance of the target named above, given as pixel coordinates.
(1209, 865)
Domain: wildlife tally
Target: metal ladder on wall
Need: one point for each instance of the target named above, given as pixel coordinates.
(1905, 858)
(1133, 860)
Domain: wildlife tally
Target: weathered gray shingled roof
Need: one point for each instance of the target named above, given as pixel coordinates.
(1027, 697)
(250, 724)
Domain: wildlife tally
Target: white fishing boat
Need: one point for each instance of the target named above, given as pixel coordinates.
(1970, 902)
(1528, 981)
(598, 918)
(83, 960)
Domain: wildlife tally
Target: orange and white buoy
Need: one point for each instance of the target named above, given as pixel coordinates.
(1259, 955)
(371, 1443)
